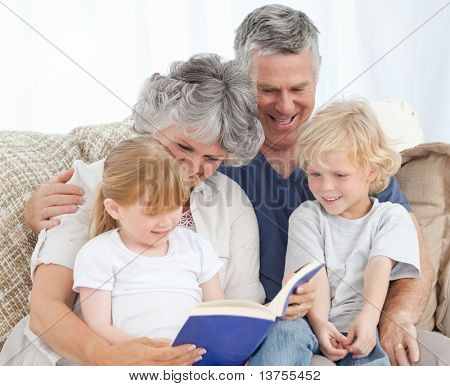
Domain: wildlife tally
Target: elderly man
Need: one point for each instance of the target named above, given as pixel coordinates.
(279, 46)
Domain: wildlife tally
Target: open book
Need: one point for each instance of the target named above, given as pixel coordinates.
(231, 330)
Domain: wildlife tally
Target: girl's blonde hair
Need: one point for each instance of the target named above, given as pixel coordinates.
(139, 170)
(352, 127)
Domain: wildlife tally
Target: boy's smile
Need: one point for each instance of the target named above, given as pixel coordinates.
(340, 186)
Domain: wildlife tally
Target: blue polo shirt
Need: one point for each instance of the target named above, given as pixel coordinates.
(274, 198)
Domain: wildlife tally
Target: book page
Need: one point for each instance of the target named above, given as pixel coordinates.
(244, 308)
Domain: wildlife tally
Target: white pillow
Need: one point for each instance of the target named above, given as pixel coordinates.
(400, 123)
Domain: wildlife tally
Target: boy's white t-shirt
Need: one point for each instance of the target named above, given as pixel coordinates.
(151, 296)
(346, 246)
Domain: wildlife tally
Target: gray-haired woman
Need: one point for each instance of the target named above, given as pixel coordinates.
(204, 111)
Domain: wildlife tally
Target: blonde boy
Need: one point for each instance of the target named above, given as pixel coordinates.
(364, 243)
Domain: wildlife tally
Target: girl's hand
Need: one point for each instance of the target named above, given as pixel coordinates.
(362, 335)
(330, 341)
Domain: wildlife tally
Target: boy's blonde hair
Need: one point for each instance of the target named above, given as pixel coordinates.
(139, 170)
(352, 127)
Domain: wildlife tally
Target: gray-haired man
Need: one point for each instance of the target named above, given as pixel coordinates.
(279, 46)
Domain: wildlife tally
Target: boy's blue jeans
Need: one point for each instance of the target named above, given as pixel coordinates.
(293, 343)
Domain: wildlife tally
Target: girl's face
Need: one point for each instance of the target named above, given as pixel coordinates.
(140, 230)
(199, 160)
(341, 187)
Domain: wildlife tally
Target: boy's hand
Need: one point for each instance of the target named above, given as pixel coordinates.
(330, 341)
(301, 301)
(362, 335)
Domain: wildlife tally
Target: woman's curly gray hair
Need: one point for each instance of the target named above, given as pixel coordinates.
(215, 98)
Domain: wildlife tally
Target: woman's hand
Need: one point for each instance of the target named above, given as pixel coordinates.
(362, 335)
(50, 200)
(330, 341)
(150, 352)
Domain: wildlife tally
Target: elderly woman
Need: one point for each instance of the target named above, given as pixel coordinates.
(205, 113)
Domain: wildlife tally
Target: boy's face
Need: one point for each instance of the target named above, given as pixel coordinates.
(341, 187)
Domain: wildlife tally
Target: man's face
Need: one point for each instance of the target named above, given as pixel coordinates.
(286, 95)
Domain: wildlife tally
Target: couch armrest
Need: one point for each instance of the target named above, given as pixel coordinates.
(425, 180)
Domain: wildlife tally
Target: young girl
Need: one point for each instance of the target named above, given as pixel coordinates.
(141, 273)
(364, 243)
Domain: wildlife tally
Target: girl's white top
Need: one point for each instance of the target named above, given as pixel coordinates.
(150, 296)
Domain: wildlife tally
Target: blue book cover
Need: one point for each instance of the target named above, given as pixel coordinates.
(231, 330)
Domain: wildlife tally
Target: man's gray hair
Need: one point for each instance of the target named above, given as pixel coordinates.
(215, 98)
(276, 29)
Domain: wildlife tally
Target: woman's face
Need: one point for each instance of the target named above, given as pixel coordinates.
(199, 160)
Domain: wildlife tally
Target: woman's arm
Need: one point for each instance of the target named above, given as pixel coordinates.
(52, 318)
(212, 290)
(96, 308)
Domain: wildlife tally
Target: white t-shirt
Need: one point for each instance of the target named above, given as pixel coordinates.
(151, 296)
(346, 246)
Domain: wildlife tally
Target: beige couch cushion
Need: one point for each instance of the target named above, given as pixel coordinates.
(26, 161)
(97, 141)
(425, 180)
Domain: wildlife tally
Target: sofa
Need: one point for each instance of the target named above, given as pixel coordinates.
(29, 159)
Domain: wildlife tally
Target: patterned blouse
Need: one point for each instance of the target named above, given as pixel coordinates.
(187, 221)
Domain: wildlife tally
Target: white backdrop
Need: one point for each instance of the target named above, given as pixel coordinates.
(122, 42)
